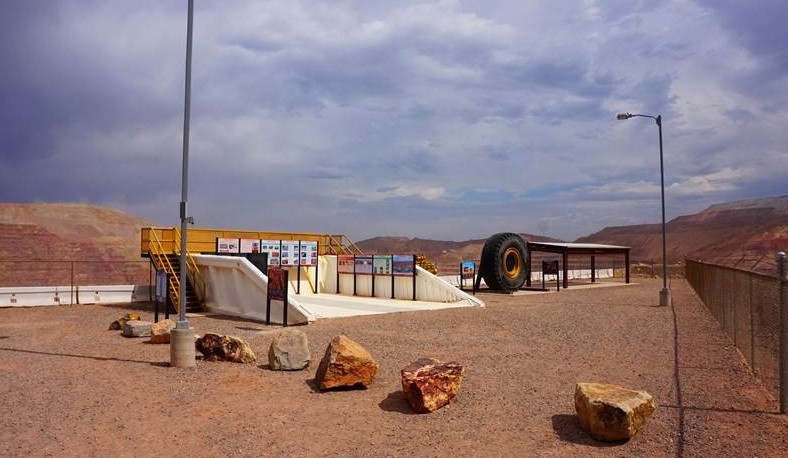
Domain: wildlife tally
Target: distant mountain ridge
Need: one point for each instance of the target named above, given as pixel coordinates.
(105, 242)
(721, 232)
(755, 226)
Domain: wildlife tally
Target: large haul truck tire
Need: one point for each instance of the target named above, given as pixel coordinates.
(504, 262)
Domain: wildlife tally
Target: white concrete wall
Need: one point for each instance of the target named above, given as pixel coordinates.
(429, 288)
(31, 296)
(233, 286)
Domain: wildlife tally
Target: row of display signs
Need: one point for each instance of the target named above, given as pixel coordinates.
(284, 253)
(397, 265)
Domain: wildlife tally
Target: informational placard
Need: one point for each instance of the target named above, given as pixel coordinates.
(277, 287)
(226, 246)
(273, 248)
(403, 265)
(467, 270)
(345, 263)
(550, 267)
(363, 264)
(290, 253)
(381, 265)
(308, 253)
(250, 246)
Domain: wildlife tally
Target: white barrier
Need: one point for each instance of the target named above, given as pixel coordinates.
(31, 296)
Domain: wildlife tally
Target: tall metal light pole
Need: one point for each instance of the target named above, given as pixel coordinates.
(664, 294)
(182, 337)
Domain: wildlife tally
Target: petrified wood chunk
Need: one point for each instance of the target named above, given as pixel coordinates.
(430, 384)
(345, 364)
(225, 348)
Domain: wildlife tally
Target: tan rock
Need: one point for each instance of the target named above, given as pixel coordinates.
(430, 384)
(612, 413)
(160, 332)
(345, 364)
(225, 348)
(136, 328)
(289, 351)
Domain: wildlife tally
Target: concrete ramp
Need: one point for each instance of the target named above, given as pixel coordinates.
(235, 287)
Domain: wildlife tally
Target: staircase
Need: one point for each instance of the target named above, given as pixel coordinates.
(171, 263)
(193, 303)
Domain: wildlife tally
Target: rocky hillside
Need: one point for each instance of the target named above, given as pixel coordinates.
(734, 233)
(40, 243)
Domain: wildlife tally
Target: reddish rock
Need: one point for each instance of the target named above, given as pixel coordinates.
(345, 364)
(430, 384)
(225, 348)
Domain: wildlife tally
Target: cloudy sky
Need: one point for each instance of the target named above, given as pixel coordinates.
(438, 119)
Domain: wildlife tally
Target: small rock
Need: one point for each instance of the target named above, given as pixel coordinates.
(345, 364)
(225, 348)
(137, 328)
(160, 332)
(120, 323)
(289, 351)
(611, 413)
(430, 384)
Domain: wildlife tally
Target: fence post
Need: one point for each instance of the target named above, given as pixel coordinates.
(783, 333)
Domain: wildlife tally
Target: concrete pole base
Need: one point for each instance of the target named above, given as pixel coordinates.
(664, 297)
(182, 353)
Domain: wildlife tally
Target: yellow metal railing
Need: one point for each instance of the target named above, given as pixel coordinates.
(158, 254)
(192, 270)
(204, 240)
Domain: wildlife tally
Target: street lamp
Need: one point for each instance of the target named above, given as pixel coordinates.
(182, 350)
(664, 294)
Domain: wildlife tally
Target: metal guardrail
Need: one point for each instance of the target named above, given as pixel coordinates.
(750, 307)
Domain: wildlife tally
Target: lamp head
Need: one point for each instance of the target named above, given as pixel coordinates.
(623, 116)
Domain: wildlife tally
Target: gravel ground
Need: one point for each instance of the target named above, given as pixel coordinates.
(70, 387)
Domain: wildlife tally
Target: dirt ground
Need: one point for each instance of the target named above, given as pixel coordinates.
(71, 387)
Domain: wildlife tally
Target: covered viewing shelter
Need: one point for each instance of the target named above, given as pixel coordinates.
(578, 249)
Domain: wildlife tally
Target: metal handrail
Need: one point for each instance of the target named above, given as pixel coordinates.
(192, 269)
(160, 255)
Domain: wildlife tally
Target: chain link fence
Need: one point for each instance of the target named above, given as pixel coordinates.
(747, 305)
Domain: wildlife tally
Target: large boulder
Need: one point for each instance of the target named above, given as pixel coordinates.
(160, 332)
(120, 323)
(611, 413)
(346, 364)
(137, 328)
(430, 384)
(225, 348)
(289, 351)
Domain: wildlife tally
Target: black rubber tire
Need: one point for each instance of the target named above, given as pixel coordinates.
(504, 262)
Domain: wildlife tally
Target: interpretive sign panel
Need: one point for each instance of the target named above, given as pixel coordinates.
(290, 253)
(364, 265)
(345, 263)
(468, 269)
(403, 265)
(273, 248)
(381, 265)
(277, 287)
(308, 253)
(224, 245)
(250, 246)
(550, 267)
